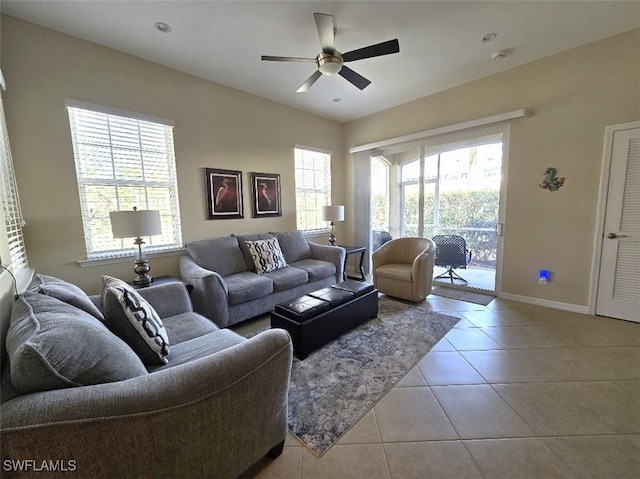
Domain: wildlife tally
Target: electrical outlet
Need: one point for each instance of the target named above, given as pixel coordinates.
(543, 276)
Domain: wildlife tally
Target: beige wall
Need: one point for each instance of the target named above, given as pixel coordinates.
(573, 96)
(215, 127)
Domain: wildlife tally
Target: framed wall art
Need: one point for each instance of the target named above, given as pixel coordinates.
(266, 198)
(224, 193)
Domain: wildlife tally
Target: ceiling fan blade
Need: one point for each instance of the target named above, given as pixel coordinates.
(379, 49)
(310, 81)
(286, 59)
(353, 77)
(324, 24)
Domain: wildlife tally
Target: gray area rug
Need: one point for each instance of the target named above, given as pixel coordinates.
(468, 296)
(338, 384)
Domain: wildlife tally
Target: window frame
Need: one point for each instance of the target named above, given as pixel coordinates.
(324, 190)
(122, 249)
(14, 253)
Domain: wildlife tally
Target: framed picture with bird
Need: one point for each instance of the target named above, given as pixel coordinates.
(266, 194)
(224, 193)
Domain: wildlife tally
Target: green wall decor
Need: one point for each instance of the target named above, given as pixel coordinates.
(551, 181)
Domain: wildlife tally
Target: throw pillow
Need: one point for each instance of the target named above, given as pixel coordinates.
(53, 345)
(242, 242)
(267, 255)
(135, 321)
(67, 292)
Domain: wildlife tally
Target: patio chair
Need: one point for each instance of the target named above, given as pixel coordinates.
(378, 238)
(451, 253)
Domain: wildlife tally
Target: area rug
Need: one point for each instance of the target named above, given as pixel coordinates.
(337, 385)
(468, 296)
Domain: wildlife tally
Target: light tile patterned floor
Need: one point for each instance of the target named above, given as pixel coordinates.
(513, 391)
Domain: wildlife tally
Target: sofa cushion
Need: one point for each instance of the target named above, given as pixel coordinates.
(294, 245)
(67, 292)
(200, 347)
(266, 255)
(317, 269)
(246, 286)
(53, 345)
(134, 320)
(222, 255)
(242, 239)
(287, 278)
(395, 271)
(185, 326)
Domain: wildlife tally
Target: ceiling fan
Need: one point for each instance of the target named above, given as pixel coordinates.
(330, 61)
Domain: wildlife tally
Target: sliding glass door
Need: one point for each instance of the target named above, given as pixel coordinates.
(447, 188)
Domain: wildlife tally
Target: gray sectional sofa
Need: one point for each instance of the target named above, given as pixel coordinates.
(79, 400)
(227, 288)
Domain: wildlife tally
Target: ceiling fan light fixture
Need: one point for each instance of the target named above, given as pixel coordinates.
(329, 64)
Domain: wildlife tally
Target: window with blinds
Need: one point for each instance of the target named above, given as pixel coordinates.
(313, 188)
(123, 160)
(11, 203)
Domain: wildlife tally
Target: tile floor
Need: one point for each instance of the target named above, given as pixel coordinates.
(513, 391)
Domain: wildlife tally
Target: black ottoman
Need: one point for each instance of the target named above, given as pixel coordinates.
(303, 308)
(318, 318)
(365, 305)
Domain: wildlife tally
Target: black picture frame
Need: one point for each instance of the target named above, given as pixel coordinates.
(266, 197)
(224, 194)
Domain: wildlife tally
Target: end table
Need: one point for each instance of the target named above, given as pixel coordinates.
(351, 250)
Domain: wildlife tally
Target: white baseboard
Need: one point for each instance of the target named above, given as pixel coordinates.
(576, 308)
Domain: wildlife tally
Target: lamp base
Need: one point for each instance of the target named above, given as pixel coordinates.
(332, 236)
(142, 269)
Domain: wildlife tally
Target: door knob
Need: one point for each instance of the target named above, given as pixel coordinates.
(614, 236)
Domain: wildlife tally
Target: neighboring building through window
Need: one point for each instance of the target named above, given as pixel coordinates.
(313, 188)
(123, 160)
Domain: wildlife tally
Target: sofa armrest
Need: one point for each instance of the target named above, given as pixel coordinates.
(211, 417)
(210, 293)
(332, 254)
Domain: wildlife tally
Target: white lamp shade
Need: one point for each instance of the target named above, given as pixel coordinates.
(135, 224)
(333, 213)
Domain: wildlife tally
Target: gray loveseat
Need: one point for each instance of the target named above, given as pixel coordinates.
(227, 289)
(76, 399)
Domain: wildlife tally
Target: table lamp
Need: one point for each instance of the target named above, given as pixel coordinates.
(333, 214)
(136, 224)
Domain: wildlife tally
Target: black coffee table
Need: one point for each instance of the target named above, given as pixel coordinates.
(318, 318)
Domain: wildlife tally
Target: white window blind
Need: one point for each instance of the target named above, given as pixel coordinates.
(123, 160)
(10, 202)
(313, 188)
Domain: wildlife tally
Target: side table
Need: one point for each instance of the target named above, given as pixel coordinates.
(351, 250)
(163, 280)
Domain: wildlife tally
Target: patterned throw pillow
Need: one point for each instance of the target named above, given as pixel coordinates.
(267, 255)
(135, 321)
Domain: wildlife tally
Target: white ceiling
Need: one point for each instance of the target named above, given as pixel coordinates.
(440, 41)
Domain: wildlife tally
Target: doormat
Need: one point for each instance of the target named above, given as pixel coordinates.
(339, 383)
(459, 294)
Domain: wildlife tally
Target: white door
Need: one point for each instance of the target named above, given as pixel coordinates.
(619, 280)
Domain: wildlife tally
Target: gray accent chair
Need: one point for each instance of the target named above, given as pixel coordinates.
(216, 408)
(227, 289)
